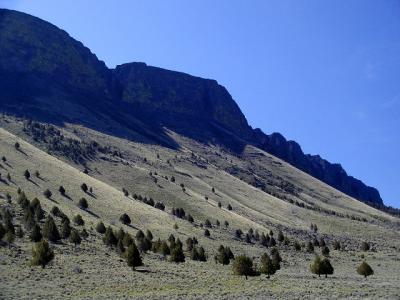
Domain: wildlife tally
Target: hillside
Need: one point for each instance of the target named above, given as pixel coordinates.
(48, 76)
(199, 171)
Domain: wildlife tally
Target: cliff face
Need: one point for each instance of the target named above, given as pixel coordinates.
(47, 74)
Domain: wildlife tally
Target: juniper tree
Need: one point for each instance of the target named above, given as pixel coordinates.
(207, 223)
(65, 229)
(229, 207)
(149, 235)
(120, 234)
(325, 251)
(83, 204)
(120, 247)
(365, 269)
(243, 265)
(41, 254)
(125, 219)
(78, 220)
(323, 267)
(267, 266)
(322, 242)
(50, 230)
(177, 254)
(74, 237)
(164, 249)
(17, 146)
(226, 224)
(140, 235)
(223, 256)
(27, 175)
(36, 234)
(84, 187)
(109, 237)
(144, 244)
(207, 233)
(276, 258)
(61, 189)
(127, 240)
(100, 228)
(47, 193)
(84, 234)
(133, 257)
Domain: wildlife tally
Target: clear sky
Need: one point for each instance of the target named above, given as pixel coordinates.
(323, 73)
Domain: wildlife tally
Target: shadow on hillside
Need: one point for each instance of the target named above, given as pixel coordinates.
(93, 214)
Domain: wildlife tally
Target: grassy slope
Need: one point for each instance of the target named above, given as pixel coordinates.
(104, 274)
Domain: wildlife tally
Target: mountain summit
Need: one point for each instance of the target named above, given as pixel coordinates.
(48, 76)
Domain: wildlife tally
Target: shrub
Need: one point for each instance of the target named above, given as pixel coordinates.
(133, 258)
(100, 228)
(83, 204)
(47, 193)
(125, 219)
(74, 237)
(109, 237)
(229, 207)
(207, 233)
(267, 267)
(243, 265)
(50, 230)
(36, 234)
(365, 269)
(41, 254)
(78, 220)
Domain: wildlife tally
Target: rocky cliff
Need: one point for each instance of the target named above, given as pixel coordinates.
(47, 74)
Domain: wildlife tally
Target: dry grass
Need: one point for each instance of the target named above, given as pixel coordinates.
(105, 275)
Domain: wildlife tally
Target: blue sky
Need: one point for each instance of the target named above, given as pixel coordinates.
(323, 73)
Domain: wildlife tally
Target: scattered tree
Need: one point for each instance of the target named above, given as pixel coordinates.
(36, 234)
(83, 204)
(41, 254)
(321, 267)
(109, 237)
(84, 187)
(61, 189)
(27, 175)
(100, 228)
(243, 265)
(74, 237)
(50, 230)
(267, 267)
(365, 269)
(133, 257)
(78, 220)
(125, 219)
(47, 193)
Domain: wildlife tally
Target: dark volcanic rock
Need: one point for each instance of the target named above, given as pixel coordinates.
(46, 74)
